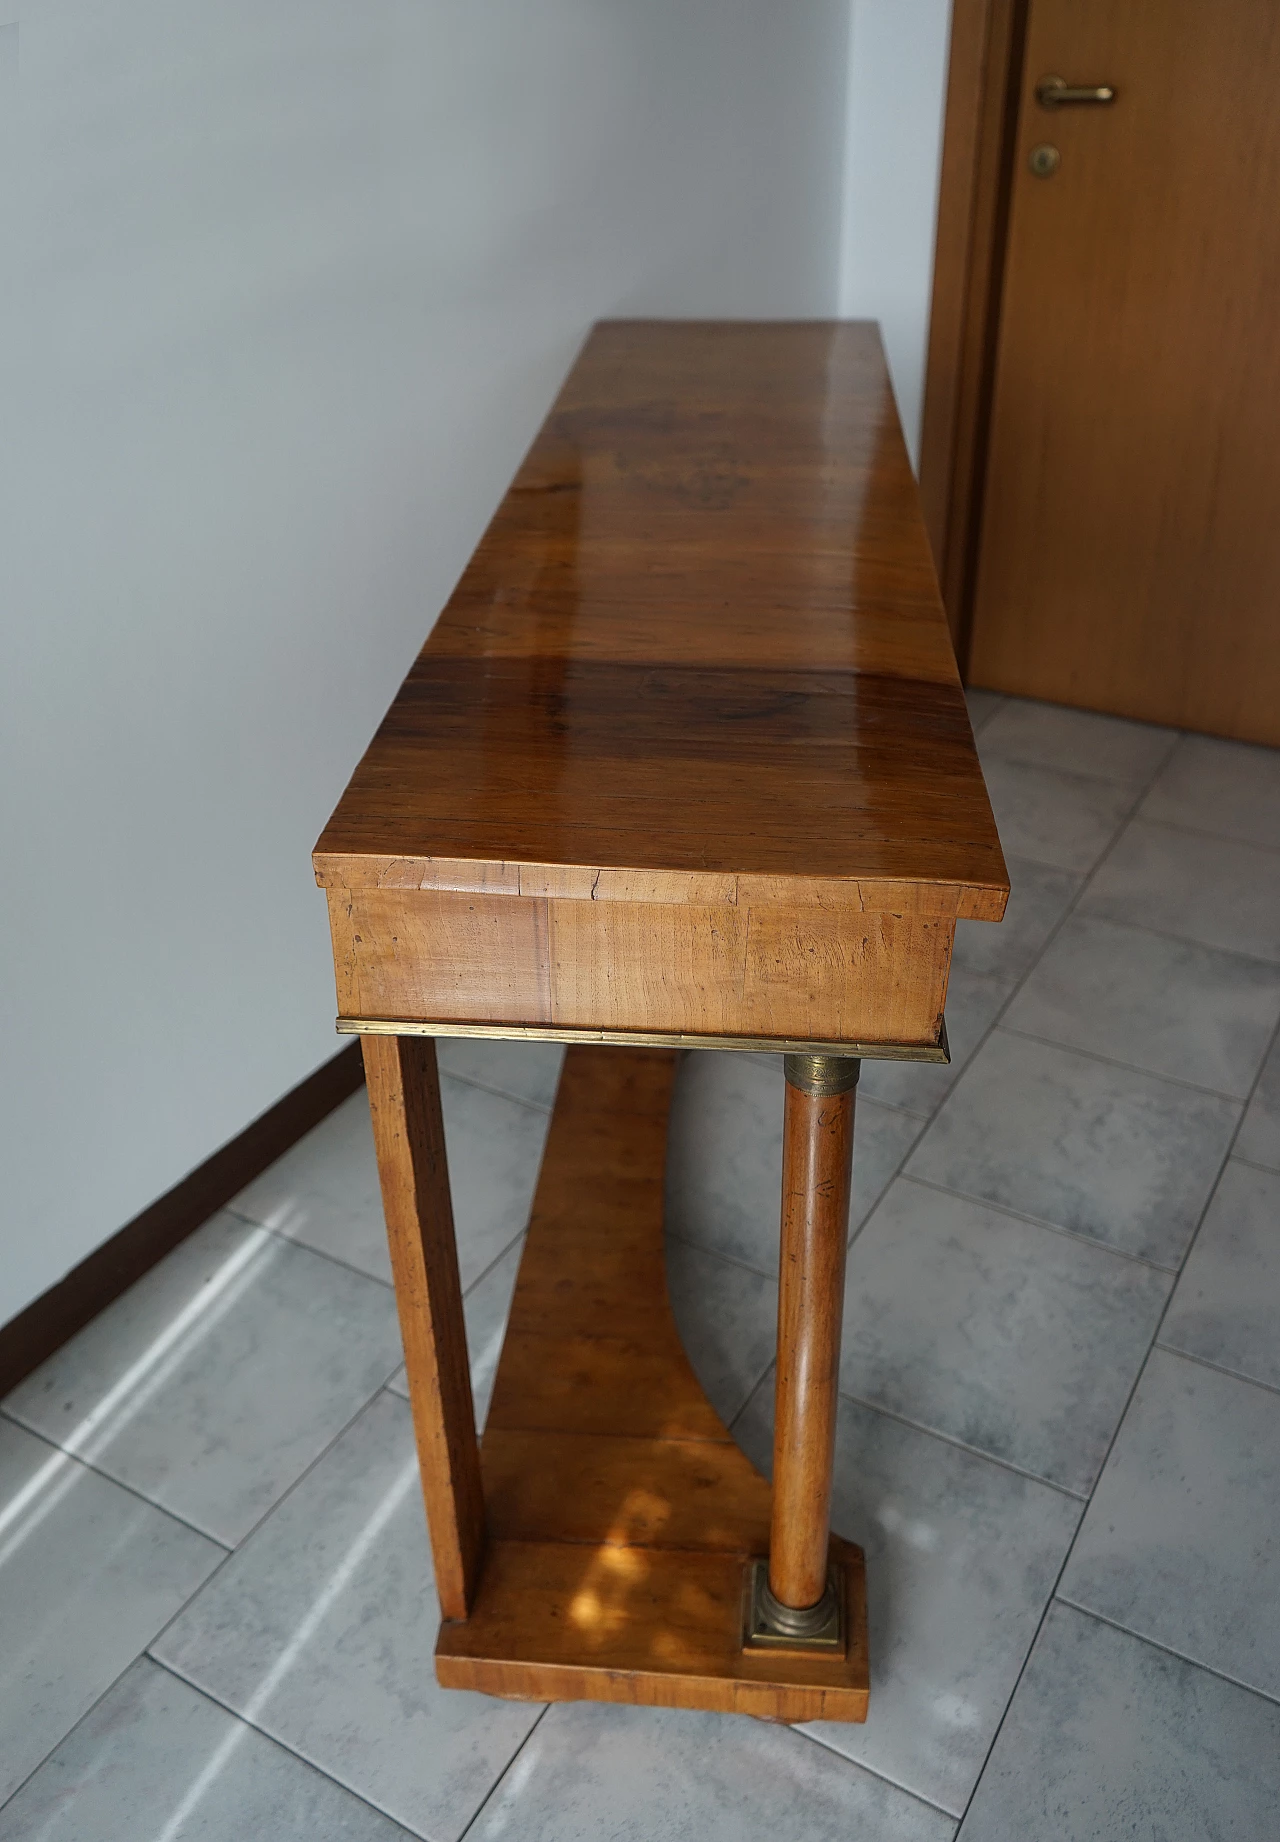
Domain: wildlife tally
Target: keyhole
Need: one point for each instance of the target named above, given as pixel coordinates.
(1044, 160)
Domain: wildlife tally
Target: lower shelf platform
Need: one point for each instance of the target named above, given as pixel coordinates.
(621, 1515)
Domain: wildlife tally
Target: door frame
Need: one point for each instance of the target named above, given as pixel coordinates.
(984, 82)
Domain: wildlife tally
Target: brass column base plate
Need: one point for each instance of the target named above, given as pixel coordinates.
(760, 1628)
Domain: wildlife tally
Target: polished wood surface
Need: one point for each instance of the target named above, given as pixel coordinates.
(690, 725)
(775, 969)
(408, 1133)
(621, 1514)
(817, 1162)
(1130, 557)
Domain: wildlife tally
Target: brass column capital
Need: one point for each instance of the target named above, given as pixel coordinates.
(822, 1075)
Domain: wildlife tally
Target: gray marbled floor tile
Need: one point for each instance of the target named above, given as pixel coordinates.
(1066, 820)
(1208, 889)
(1122, 1156)
(1107, 1738)
(974, 1001)
(88, 1575)
(1172, 1006)
(324, 1192)
(1259, 1138)
(982, 706)
(157, 1761)
(1226, 1308)
(486, 1308)
(1230, 788)
(961, 1559)
(724, 1156)
(1038, 899)
(1078, 741)
(1021, 1342)
(664, 1775)
(1181, 1542)
(213, 1383)
(523, 1070)
(727, 1317)
(321, 1630)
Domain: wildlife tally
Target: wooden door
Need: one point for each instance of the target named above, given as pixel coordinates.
(1129, 557)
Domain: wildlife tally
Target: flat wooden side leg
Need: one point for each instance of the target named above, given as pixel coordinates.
(408, 1132)
(816, 1173)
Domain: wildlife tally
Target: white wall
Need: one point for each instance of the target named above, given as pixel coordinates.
(298, 280)
(896, 91)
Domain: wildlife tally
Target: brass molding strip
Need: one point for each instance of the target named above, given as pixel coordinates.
(650, 1039)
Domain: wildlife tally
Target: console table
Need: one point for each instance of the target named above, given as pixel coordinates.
(685, 763)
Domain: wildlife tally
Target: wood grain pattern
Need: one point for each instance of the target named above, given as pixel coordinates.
(771, 969)
(701, 640)
(1130, 557)
(817, 1163)
(408, 1131)
(621, 1513)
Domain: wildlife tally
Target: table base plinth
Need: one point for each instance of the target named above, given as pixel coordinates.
(621, 1516)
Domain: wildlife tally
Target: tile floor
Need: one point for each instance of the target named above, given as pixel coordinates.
(1059, 1443)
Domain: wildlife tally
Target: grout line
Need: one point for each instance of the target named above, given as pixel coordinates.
(321, 1253)
(1141, 789)
(360, 1272)
(140, 1496)
(1218, 1368)
(715, 1253)
(1040, 1221)
(497, 1783)
(1085, 881)
(1111, 1061)
(1005, 1464)
(270, 1511)
(897, 1173)
(756, 1387)
(1068, 912)
(933, 1432)
(1267, 1170)
(1200, 831)
(64, 1737)
(892, 1178)
(1053, 1590)
(1045, 863)
(501, 1093)
(1001, 698)
(1123, 1415)
(1168, 1650)
(873, 1771)
(1122, 783)
(228, 1549)
(1182, 940)
(273, 1739)
(750, 1396)
(387, 1285)
(892, 1106)
(497, 1260)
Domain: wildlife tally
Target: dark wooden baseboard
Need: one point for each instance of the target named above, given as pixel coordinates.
(111, 1269)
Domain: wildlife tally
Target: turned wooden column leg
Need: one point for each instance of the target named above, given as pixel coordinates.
(408, 1132)
(816, 1169)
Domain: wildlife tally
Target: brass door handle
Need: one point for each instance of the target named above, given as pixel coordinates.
(1053, 92)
